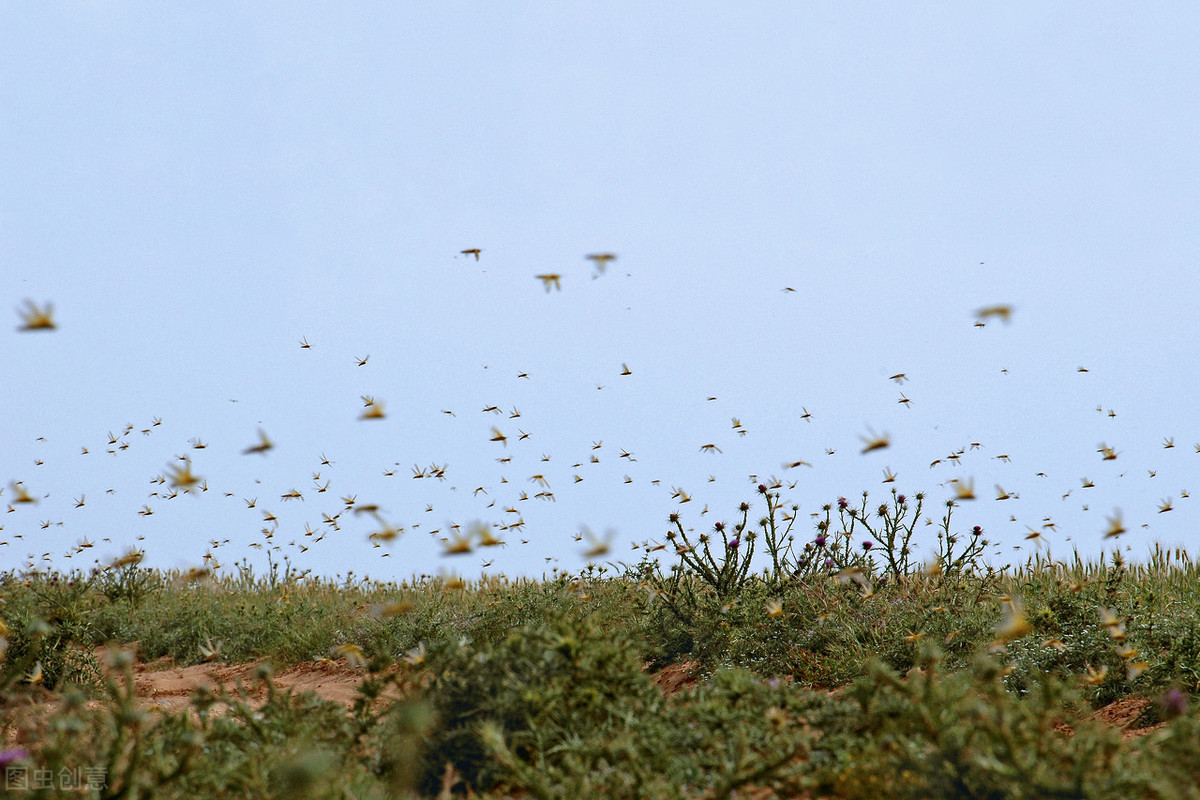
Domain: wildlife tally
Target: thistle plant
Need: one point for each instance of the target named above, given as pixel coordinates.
(725, 570)
(860, 543)
(868, 540)
(966, 560)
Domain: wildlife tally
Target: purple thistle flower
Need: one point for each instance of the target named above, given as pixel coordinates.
(9, 756)
(820, 540)
(733, 544)
(867, 546)
(829, 563)
(1174, 703)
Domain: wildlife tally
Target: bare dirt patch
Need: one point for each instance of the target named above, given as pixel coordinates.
(677, 677)
(172, 687)
(1124, 713)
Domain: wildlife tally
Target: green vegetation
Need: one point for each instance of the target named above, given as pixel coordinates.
(842, 670)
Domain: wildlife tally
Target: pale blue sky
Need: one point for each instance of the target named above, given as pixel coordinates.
(196, 189)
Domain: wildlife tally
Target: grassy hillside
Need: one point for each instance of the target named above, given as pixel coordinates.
(840, 670)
